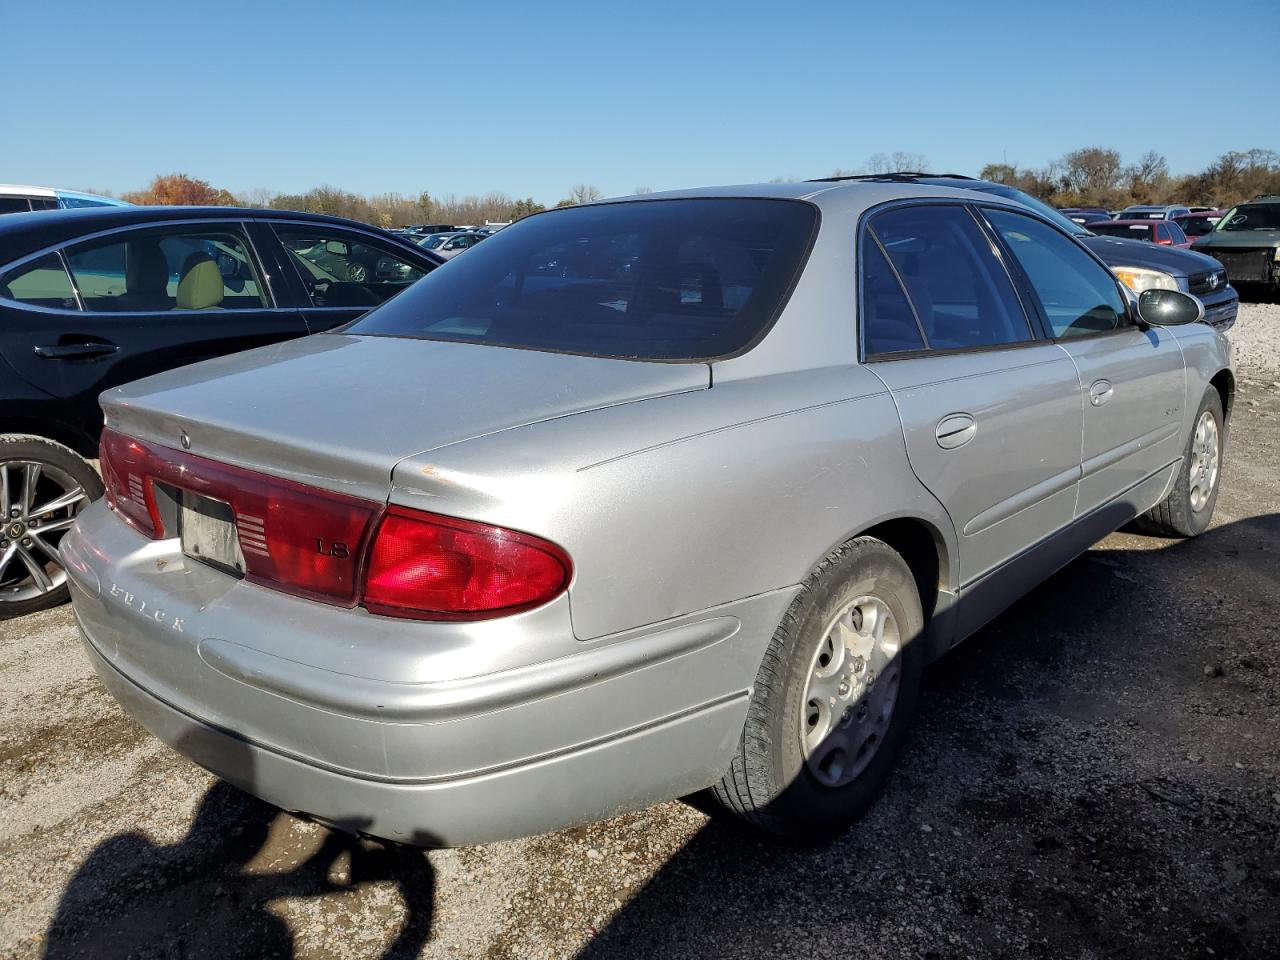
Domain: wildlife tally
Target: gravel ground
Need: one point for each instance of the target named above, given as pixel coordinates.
(1096, 774)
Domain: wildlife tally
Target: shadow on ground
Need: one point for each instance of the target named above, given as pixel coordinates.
(1091, 775)
(210, 896)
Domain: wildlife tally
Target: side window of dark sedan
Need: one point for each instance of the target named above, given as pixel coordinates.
(960, 291)
(1077, 294)
(40, 283)
(341, 269)
(167, 268)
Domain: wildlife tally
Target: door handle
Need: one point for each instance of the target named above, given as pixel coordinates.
(74, 351)
(955, 430)
(1100, 392)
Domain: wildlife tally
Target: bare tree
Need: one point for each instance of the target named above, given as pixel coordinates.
(640, 191)
(584, 193)
(900, 161)
(1093, 173)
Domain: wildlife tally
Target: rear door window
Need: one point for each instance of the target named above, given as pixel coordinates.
(15, 205)
(888, 322)
(167, 268)
(957, 285)
(683, 280)
(43, 283)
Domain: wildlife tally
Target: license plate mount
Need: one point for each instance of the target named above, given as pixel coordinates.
(207, 532)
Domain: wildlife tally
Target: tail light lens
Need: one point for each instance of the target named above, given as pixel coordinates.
(126, 467)
(294, 537)
(431, 567)
(314, 543)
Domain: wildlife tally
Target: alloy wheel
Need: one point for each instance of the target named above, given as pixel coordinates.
(38, 504)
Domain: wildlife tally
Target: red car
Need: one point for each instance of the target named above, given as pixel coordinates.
(1198, 222)
(1166, 233)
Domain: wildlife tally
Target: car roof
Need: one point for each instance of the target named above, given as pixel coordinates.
(18, 189)
(1140, 221)
(23, 233)
(842, 197)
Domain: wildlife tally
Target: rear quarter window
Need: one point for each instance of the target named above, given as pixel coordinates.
(675, 280)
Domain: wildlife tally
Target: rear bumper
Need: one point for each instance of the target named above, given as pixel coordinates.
(441, 734)
(602, 780)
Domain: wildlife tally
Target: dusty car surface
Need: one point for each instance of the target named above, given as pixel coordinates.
(636, 499)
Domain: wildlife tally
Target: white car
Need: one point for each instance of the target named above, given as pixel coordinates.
(449, 245)
(15, 198)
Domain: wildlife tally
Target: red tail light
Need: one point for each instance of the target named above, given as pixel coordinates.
(314, 543)
(296, 538)
(126, 465)
(440, 568)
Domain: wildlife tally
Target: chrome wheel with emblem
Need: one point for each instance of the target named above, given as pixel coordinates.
(43, 485)
(852, 691)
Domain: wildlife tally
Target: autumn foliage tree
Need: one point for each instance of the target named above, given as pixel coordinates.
(178, 189)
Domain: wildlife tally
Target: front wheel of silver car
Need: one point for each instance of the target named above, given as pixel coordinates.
(833, 697)
(1188, 509)
(43, 485)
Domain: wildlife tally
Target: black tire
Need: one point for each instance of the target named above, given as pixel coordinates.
(770, 783)
(1177, 515)
(55, 461)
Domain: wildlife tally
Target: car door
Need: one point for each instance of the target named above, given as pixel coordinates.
(1131, 377)
(144, 299)
(341, 273)
(990, 411)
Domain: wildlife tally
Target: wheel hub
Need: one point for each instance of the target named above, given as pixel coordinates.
(38, 504)
(851, 692)
(1204, 460)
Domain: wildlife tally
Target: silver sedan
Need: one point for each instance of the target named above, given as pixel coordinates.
(639, 498)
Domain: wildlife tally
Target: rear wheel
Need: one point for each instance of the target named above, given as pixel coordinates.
(833, 697)
(1188, 508)
(43, 485)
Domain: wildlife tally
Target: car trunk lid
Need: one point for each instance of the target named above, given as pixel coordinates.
(339, 411)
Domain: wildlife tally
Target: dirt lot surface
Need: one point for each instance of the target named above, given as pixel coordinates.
(1095, 775)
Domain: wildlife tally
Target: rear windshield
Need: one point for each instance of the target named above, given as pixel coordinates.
(682, 280)
(1196, 226)
(1134, 231)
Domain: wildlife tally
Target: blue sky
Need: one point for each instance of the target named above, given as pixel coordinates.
(540, 96)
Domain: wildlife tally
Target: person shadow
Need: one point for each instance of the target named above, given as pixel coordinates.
(205, 897)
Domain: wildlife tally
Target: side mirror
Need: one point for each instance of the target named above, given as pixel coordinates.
(1169, 308)
(337, 247)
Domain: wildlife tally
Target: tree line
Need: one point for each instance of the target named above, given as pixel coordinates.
(1089, 177)
(383, 210)
(1097, 177)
